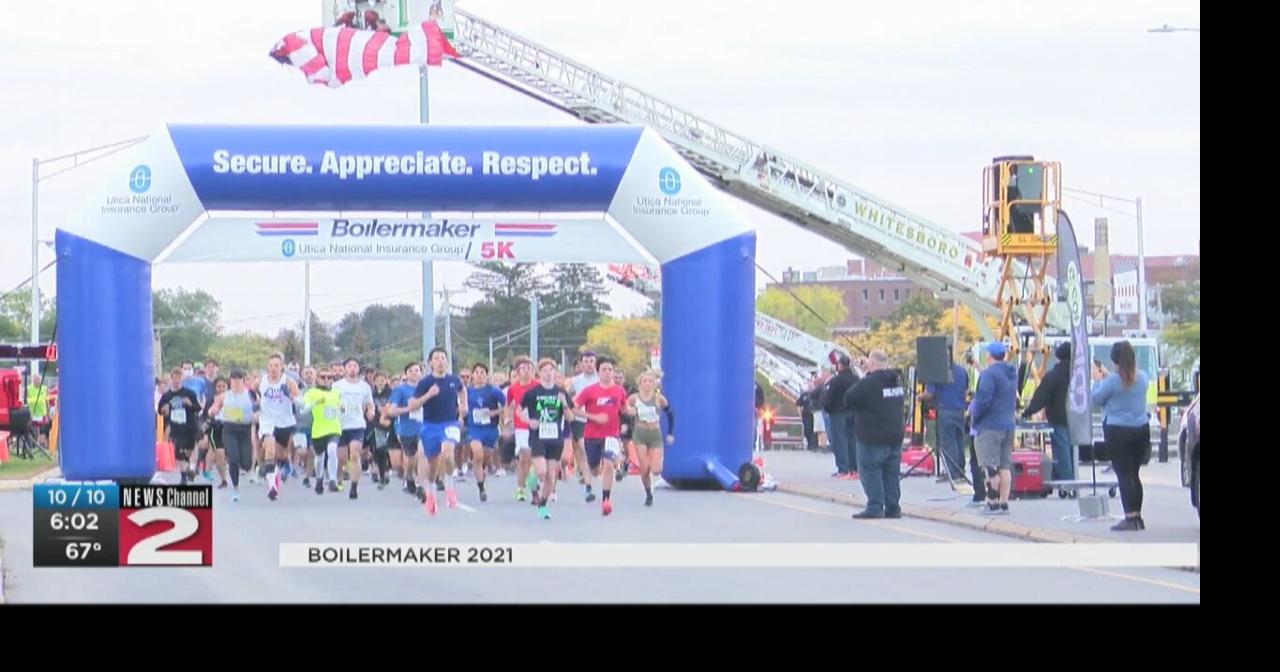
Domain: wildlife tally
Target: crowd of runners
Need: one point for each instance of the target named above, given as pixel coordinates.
(430, 428)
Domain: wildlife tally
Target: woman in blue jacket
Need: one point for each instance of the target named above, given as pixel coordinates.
(1122, 396)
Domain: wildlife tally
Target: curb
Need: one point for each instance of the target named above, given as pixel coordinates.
(27, 483)
(949, 517)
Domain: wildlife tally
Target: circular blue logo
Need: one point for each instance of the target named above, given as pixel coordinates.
(669, 181)
(140, 179)
(287, 248)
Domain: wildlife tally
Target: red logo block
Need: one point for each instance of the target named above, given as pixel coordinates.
(166, 526)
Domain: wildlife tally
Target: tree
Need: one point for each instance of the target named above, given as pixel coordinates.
(15, 317)
(384, 327)
(968, 333)
(358, 347)
(507, 281)
(627, 341)
(323, 349)
(897, 339)
(573, 286)
(1184, 342)
(1181, 303)
(188, 323)
(289, 342)
(922, 305)
(242, 350)
(505, 304)
(827, 302)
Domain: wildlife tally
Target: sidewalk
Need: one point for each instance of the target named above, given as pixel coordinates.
(1167, 508)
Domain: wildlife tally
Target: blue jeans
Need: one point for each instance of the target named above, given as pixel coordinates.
(951, 442)
(878, 471)
(1064, 455)
(838, 433)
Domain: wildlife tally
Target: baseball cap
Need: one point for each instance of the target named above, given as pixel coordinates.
(997, 349)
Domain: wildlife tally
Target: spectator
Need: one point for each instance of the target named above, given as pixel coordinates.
(878, 401)
(805, 405)
(993, 417)
(838, 419)
(1126, 428)
(975, 471)
(1051, 397)
(949, 399)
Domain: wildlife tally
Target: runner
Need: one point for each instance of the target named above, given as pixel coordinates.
(251, 380)
(521, 383)
(628, 425)
(587, 376)
(484, 405)
(276, 422)
(545, 408)
(644, 406)
(383, 434)
(408, 426)
(461, 455)
(602, 404)
(235, 410)
(443, 399)
(324, 405)
(506, 435)
(357, 410)
(304, 460)
(213, 433)
(181, 410)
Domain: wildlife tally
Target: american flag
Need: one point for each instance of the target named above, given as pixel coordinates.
(334, 56)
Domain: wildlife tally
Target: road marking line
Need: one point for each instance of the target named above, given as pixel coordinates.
(872, 523)
(466, 508)
(1139, 579)
(1087, 570)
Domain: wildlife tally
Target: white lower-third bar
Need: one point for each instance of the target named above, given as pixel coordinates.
(739, 555)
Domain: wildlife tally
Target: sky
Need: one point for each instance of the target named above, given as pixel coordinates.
(908, 100)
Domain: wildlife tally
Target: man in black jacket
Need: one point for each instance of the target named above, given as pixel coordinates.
(1051, 397)
(839, 416)
(804, 403)
(878, 402)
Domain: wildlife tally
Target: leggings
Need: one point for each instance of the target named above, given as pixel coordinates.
(1128, 447)
(239, 447)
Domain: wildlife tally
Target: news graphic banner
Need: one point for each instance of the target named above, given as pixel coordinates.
(110, 525)
(797, 555)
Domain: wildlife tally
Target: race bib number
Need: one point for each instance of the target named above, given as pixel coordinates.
(548, 430)
(480, 416)
(612, 449)
(416, 415)
(330, 413)
(648, 414)
(178, 416)
(234, 414)
(299, 440)
(453, 434)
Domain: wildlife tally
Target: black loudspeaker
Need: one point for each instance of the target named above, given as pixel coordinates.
(933, 360)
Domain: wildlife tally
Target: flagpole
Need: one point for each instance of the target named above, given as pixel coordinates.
(428, 290)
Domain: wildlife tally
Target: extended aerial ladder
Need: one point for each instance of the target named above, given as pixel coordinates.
(934, 257)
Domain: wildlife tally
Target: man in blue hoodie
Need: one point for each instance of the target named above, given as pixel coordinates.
(993, 418)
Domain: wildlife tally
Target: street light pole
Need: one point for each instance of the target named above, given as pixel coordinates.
(1142, 259)
(1142, 273)
(428, 280)
(35, 251)
(36, 179)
